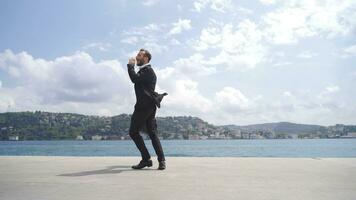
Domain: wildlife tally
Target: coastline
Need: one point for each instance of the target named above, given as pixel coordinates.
(65, 177)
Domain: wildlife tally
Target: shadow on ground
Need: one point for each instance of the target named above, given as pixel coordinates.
(109, 170)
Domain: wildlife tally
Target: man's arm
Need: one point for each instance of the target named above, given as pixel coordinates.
(136, 77)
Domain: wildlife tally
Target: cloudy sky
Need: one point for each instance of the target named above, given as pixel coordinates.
(227, 62)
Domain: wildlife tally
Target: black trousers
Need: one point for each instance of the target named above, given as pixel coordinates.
(145, 118)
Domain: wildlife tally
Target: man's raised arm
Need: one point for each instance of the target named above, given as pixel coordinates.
(137, 77)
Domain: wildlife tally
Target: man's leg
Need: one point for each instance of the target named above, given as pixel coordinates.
(137, 121)
(152, 132)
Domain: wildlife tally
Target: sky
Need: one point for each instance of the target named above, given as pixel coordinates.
(226, 62)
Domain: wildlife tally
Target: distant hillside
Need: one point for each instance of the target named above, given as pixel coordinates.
(47, 126)
(58, 126)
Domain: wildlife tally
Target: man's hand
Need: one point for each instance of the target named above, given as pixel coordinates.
(132, 61)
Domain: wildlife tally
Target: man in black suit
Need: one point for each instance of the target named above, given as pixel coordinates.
(145, 109)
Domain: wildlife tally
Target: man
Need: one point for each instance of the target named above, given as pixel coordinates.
(145, 109)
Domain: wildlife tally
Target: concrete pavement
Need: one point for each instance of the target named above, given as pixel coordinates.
(41, 177)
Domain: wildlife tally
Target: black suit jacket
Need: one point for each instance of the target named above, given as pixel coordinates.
(146, 79)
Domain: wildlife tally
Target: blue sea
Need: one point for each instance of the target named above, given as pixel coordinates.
(187, 148)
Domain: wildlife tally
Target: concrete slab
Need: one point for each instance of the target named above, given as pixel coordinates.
(41, 177)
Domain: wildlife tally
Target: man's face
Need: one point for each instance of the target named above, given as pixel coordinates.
(141, 59)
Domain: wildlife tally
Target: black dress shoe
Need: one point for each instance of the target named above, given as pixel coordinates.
(142, 164)
(161, 165)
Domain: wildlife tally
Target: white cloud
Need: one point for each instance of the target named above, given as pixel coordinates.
(185, 99)
(195, 65)
(294, 20)
(145, 30)
(243, 10)
(98, 46)
(280, 54)
(191, 68)
(350, 51)
(286, 26)
(150, 2)
(231, 99)
(268, 2)
(217, 5)
(153, 27)
(149, 37)
(209, 38)
(175, 42)
(198, 5)
(279, 64)
(245, 45)
(165, 73)
(65, 81)
(155, 47)
(239, 46)
(307, 54)
(181, 25)
(229, 105)
(130, 40)
(332, 89)
(287, 94)
(329, 90)
(302, 106)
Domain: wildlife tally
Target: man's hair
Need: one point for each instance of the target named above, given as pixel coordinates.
(147, 54)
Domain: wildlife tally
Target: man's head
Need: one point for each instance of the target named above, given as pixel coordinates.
(143, 57)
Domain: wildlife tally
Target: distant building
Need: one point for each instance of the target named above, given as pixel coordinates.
(193, 137)
(14, 138)
(180, 137)
(217, 134)
(254, 136)
(96, 137)
(79, 137)
(245, 135)
(351, 134)
(293, 136)
(237, 134)
(222, 136)
(204, 137)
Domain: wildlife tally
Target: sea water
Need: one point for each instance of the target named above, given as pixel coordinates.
(187, 148)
